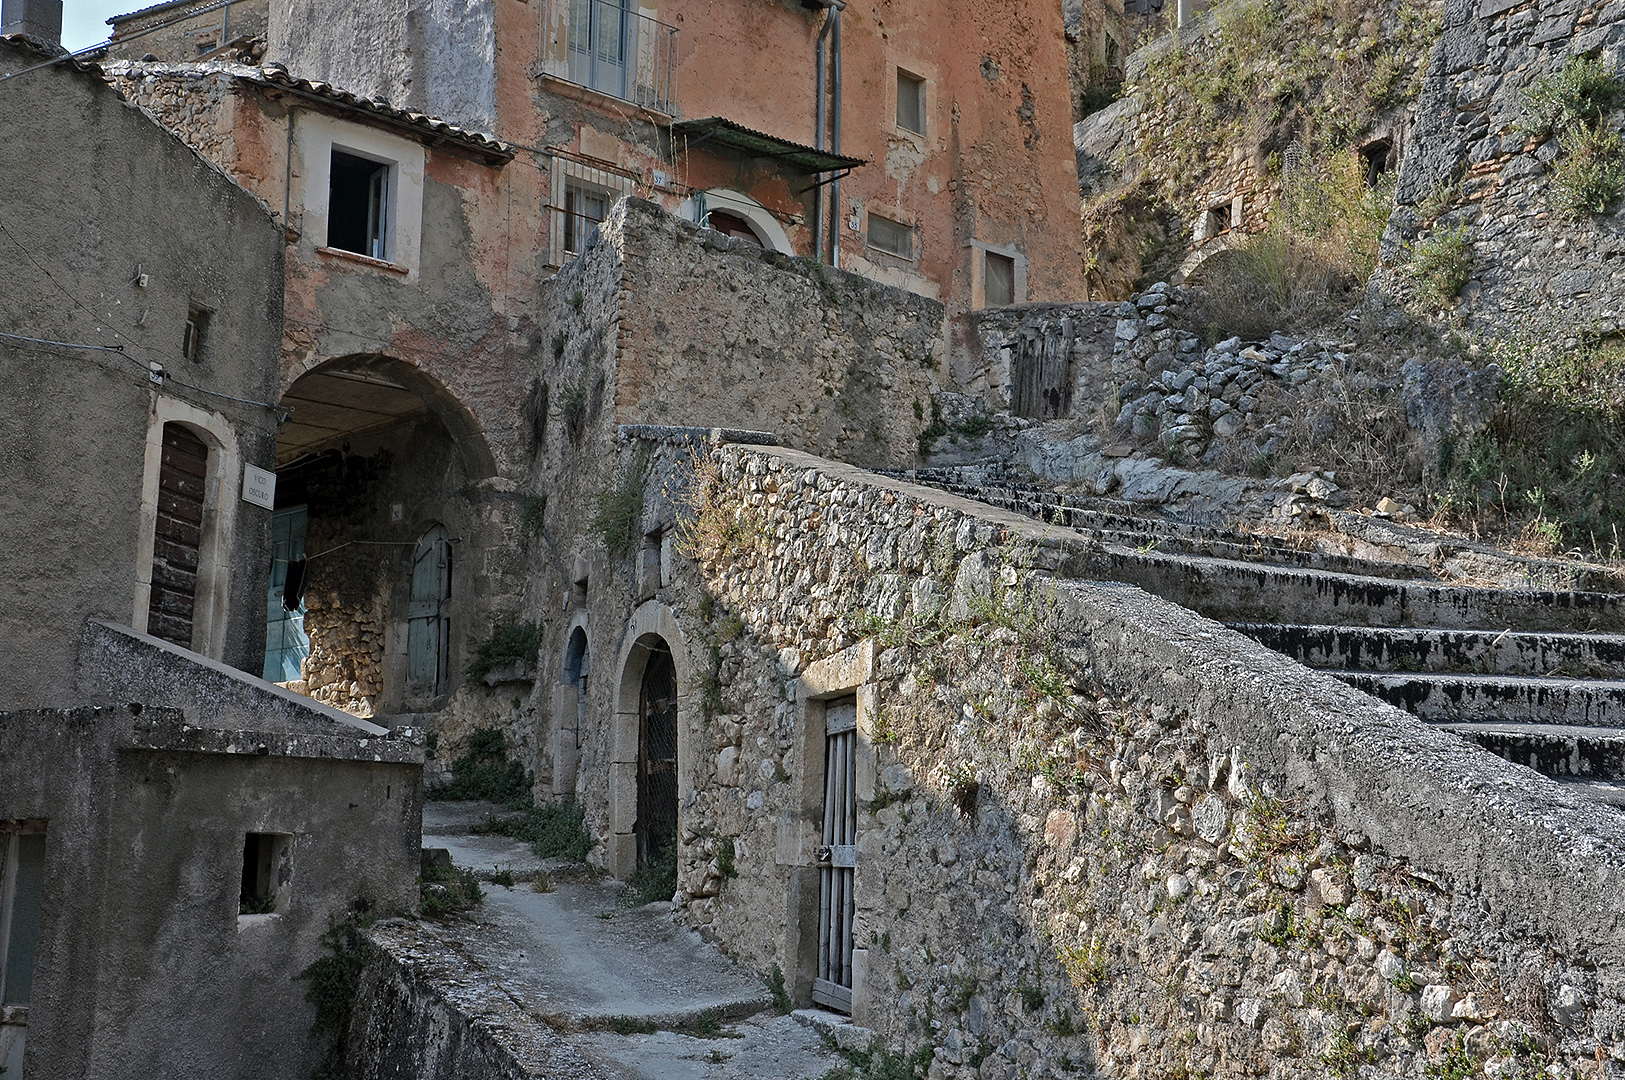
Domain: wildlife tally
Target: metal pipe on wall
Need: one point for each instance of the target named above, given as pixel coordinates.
(818, 125)
(835, 140)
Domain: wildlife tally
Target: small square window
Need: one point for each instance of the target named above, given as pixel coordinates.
(358, 205)
(1218, 220)
(195, 333)
(998, 280)
(910, 102)
(267, 870)
(892, 237)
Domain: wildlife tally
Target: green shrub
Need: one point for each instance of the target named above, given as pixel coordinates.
(1581, 94)
(515, 643)
(1548, 464)
(1590, 176)
(449, 891)
(1439, 266)
(1572, 106)
(618, 509)
(334, 979)
(485, 772)
(555, 830)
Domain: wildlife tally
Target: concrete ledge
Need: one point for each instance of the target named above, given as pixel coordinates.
(119, 664)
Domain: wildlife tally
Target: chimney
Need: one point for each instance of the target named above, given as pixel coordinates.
(39, 19)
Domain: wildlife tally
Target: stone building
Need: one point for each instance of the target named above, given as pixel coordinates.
(181, 31)
(175, 835)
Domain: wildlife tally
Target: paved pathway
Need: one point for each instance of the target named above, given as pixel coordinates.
(581, 960)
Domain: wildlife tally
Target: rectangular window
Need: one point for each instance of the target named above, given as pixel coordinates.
(585, 205)
(892, 237)
(267, 868)
(910, 102)
(998, 280)
(22, 894)
(358, 205)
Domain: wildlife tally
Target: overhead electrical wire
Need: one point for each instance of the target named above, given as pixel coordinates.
(155, 370)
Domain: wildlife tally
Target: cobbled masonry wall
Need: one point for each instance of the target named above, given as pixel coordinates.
(1098, 831)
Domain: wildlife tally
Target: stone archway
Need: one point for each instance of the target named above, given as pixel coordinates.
(375, 455)
(653, 640)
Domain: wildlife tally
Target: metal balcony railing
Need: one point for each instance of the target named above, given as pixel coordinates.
(610, 47)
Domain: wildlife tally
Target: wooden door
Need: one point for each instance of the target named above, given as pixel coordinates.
(177, 535)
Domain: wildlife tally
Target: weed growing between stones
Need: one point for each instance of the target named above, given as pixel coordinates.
(449, 890)
(486, 772)
(1438, 266)
(880, 1063)
(781, 997)
(334, 978)
(515, 643)
(653, 881)
(573, 401)
(1572, 106)
(618, 508)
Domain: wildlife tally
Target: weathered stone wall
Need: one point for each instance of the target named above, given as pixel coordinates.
(1098, 831)
(994, 341)
(717, 332)
(1470, 155)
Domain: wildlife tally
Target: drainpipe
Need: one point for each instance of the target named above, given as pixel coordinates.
(819, 124)
(835, 143)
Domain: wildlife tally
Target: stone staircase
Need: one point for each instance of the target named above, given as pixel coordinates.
(1533, 671)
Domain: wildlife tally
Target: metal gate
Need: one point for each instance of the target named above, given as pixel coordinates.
(428, 627)
(838, 857)
(657, 760)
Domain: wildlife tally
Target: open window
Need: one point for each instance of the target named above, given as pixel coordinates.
(1378, 159)
(892, 237)
(267, 872)
(358, 206)
(1217, 221)
(22, 895)
(910, 102)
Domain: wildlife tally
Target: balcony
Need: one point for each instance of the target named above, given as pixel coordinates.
(611, 47)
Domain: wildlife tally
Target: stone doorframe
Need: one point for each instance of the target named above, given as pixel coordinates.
(651, 622)
(849, 673)
(220, 510)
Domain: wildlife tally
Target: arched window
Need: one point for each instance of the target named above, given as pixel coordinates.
(428, 626)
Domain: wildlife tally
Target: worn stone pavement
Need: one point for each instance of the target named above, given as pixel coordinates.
(579, 959)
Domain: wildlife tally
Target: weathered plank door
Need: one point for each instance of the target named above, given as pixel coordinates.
(177, 535)
(832, 987)
(428, 626)
(1041, 373)
(657, 760)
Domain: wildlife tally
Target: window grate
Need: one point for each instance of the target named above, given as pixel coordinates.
(582, 193)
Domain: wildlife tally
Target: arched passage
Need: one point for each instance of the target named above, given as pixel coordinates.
(649, 767)
(376, 472)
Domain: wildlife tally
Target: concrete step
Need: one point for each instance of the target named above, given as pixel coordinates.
(1557, 750)
(1480, 652)
(1444, 696)
(1148, 531)
(1233, 591)
(1609, 792)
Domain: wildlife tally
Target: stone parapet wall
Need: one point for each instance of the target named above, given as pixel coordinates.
(1097, 831)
